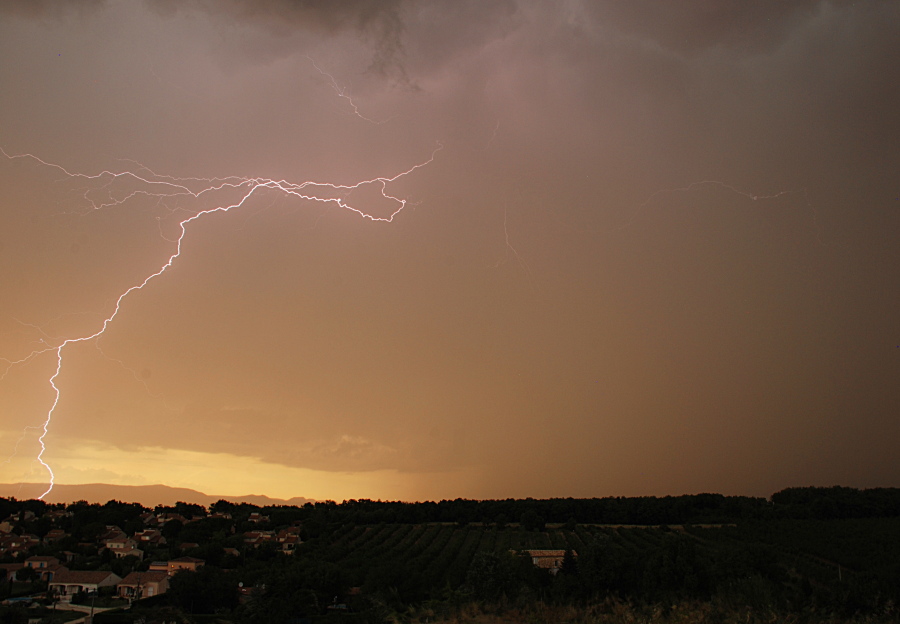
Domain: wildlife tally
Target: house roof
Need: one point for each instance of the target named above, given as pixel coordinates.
(548, 558)
(547, 553)
(142, 578)
(150, 535)
(110, 531)
(125, 549)
(25, 537)
(187, 560)
(82, 577)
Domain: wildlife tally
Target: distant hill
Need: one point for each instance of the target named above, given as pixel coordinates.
(147, 495)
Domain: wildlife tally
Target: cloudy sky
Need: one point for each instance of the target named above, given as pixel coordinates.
(655, 252)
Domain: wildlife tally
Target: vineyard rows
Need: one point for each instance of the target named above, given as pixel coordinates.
(441, 554)
(434, 555)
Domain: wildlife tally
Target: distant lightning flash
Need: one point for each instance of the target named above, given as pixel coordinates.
(509, 248)
(690, 187)
(162, 187)
(819, 230)
(342, 93)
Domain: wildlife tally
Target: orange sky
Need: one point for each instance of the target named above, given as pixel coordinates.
(656, 254)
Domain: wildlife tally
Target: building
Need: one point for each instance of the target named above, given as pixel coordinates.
(257, 518)
(145, 584)
(127, 552)
(160, 519)
(111, 531)
(149, 537)
(46, 567)
(41, 562)
(21, 516)
(257, 538)
(289, 539)
(14, 545)
(119, 541)
(10, 571)
(122, 546)
(67, 584)
(548, 559)
(184, 563)
(54, 535)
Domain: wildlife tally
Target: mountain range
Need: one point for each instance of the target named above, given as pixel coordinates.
(147, 495)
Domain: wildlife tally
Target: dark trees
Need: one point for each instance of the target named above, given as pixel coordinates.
(206, 590)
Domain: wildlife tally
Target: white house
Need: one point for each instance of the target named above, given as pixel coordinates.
(66, 584)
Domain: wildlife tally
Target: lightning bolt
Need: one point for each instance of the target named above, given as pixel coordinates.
(819, 230)
(509, 248)
(151, 184)
(342, 93)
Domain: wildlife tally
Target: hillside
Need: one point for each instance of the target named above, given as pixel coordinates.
(147, 495)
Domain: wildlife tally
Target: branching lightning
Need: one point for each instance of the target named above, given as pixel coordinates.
(509, 247)
(728, 187)
(162, 187)
(342, 93)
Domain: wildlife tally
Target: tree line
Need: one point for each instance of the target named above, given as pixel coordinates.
(823, 503)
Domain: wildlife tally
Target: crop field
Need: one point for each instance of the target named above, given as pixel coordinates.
(421, 559)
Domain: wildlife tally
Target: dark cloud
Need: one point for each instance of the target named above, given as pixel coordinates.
(37, 9)
(283, 15)
(378, 22)
(696, 25)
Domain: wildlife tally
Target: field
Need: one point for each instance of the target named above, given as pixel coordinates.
(788, 563)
